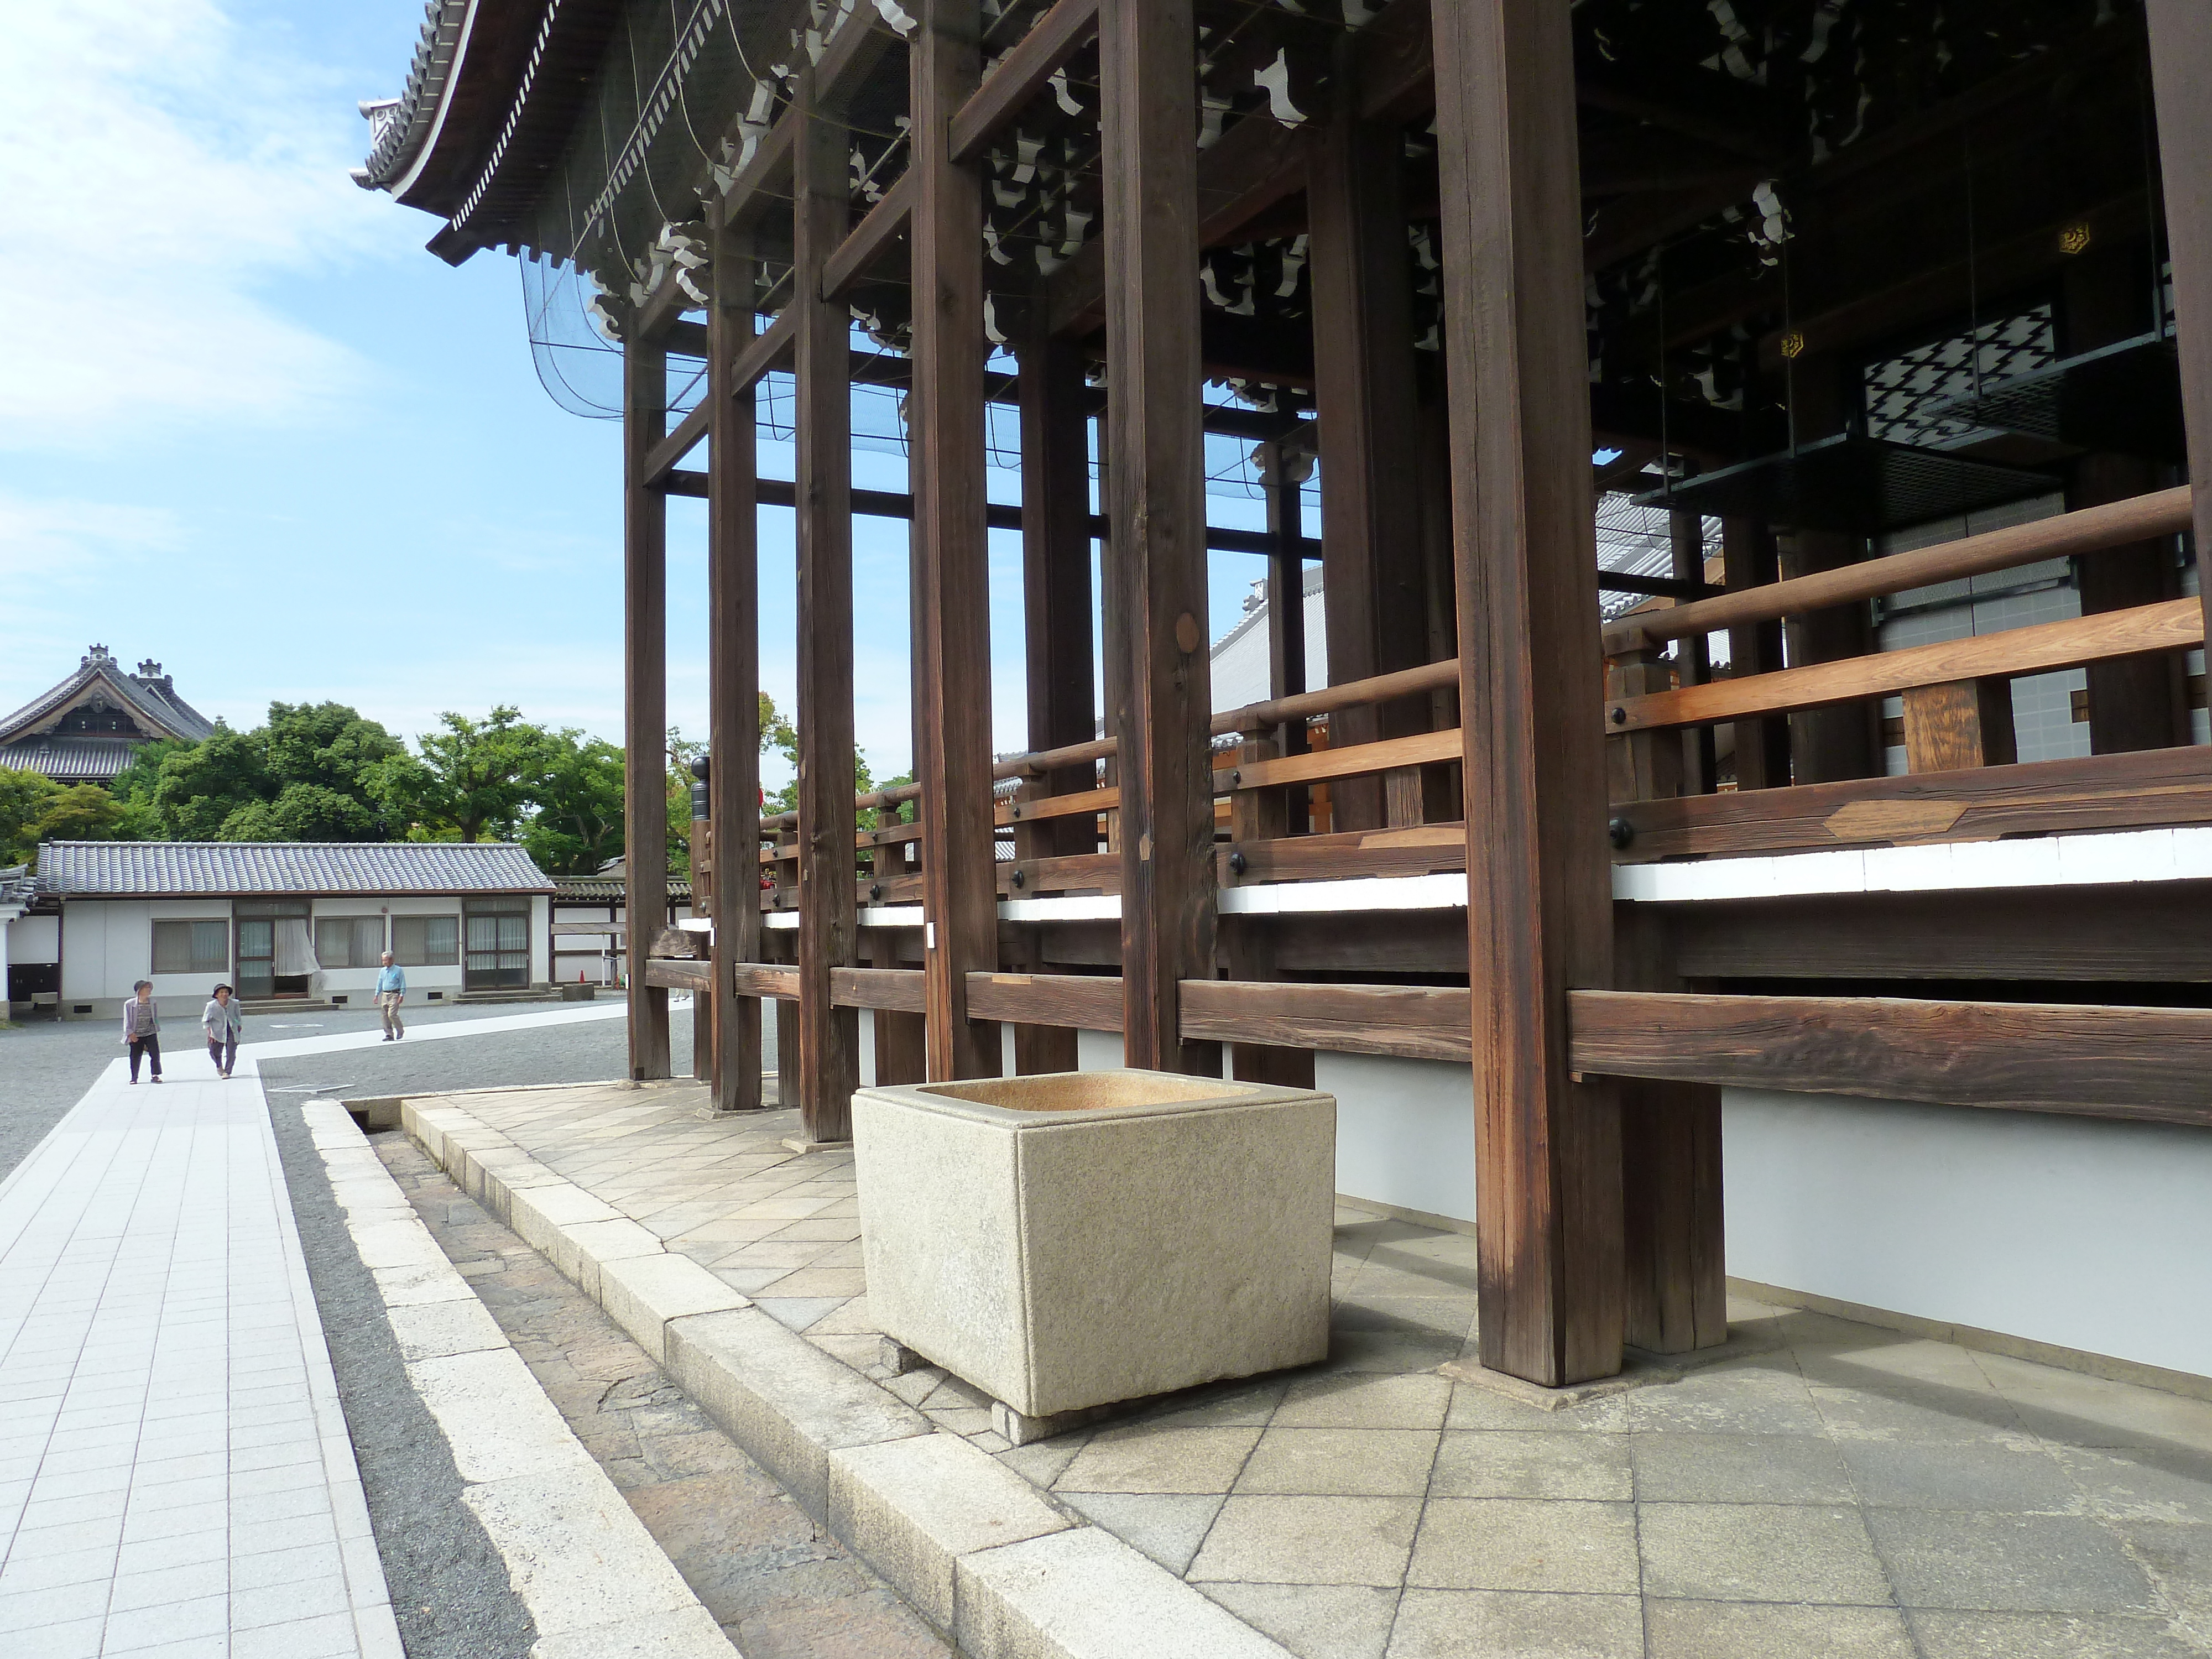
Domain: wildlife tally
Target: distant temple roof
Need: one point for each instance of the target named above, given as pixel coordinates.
(85, 729)
(101, 869)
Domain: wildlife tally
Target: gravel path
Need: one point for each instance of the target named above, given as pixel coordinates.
(450, 1589)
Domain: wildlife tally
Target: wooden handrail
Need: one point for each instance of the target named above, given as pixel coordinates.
(2171, 625)
(2086, 530)
(1352, 694)
(1421, 749)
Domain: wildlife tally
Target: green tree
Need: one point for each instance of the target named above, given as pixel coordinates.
(304, 811)
(200, 786)
(303, 775)
(326, 745)
(577, 822)
(82, 811)
(469, 778)
(24, 797)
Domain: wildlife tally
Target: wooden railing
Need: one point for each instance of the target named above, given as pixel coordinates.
(1957, 729)
(1964, 781)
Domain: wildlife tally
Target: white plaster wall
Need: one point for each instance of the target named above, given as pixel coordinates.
(2091, 1234)
(1405, 1132)
(34, 939)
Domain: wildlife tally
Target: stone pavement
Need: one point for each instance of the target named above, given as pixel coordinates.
(175, 1477)
(779, 1587)
(1828, 1487)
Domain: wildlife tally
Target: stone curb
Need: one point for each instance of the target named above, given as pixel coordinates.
(593, 1578)
(988, 1558)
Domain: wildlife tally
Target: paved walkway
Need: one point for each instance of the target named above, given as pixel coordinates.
(175, 1475)
(1833, 1489)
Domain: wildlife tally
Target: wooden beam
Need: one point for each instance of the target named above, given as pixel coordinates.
(2104, 791)
(1259, 163)
(1019, 75)
(1547, 1148)
(2090, 1060)
(829, 1036)
(765, 979)
(1362, 331)
(952, 576)
(689, 432)
(871, 241)
(2173, 625)
(893, 989)
(1412, 1022)
(1157, 487)
(765, 352)
(2135, 932)
(665, 973)
(1397, 64)
(1087, 1002)
(645, 701)
(733, 673)
(2181, 63)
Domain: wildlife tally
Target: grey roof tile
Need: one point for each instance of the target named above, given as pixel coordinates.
(84, 869)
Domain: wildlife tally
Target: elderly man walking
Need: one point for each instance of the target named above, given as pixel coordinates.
(391, 992)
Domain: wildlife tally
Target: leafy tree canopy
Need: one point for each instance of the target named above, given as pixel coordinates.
(469, 780)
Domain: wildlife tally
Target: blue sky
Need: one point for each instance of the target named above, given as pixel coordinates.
(249, 428)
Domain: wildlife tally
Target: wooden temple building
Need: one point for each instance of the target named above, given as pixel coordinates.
(1871, 836)
(86, 729)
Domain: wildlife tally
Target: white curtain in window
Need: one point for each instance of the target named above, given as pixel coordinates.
(296, 949)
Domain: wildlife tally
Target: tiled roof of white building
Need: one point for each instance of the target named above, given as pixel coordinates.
(82, 869)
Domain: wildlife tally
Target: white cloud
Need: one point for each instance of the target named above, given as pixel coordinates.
(164, 174)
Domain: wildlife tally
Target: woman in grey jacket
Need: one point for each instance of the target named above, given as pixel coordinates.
(141, 1028)
(222, 1019)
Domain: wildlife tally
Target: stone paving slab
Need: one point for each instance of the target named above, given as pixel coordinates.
(175, 1474)
(1825, 1486)
(776, 1582)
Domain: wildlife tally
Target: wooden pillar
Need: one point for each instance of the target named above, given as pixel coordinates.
(1693, 659)
(1367, 399)
(1056, 600)
(1058, 669)
(733, 676)
(1962, 723)
(1762, 746)
(1249, 941)
(701, 848)
(829, 1036)
(2181, 69)
(951, 584)
(645, 702)
(1547, 1148)
(2135, 702)
(902, 1038)
(1153, 375)
(1282, 474)
(1675, 1271)
(1827, 744)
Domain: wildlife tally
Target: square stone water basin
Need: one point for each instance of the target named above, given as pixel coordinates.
(1072, 1240)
